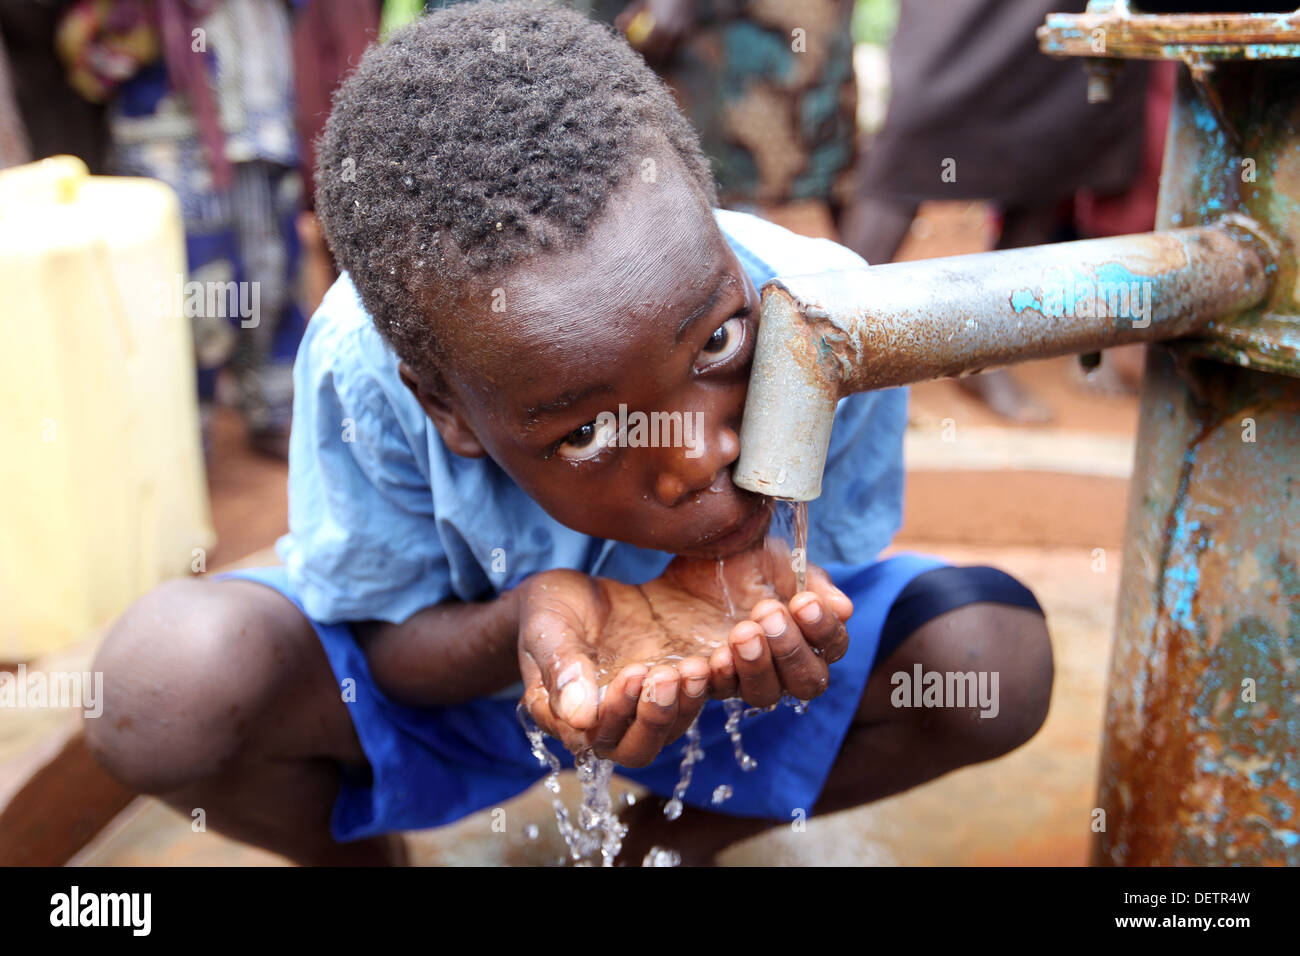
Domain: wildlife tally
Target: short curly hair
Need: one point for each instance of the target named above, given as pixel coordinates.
(473, 138)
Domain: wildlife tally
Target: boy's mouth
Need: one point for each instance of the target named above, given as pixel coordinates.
(740, 535)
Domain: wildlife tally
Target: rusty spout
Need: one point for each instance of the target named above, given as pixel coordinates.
(827, 336)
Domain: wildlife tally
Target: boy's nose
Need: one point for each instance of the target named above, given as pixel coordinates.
(684, 472)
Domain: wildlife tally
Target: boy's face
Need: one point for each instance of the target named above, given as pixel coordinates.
(651, 312)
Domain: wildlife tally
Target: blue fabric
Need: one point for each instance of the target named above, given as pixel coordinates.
(384, 520)
(433, 766)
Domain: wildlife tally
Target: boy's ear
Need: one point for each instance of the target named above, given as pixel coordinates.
(455, 431)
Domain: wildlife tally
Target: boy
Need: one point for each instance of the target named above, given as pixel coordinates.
(526, 223)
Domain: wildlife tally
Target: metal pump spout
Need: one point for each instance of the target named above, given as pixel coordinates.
(826, 336)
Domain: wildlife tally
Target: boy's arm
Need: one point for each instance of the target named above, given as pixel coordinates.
(446, 654)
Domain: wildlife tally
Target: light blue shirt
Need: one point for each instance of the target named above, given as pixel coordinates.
(384, 520)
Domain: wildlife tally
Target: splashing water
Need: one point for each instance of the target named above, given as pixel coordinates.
(801, 545)
(692, 753)
(598, 830)
(735, 709)
(596, 815)
(790, 524)
(662, 856)
(721, 794)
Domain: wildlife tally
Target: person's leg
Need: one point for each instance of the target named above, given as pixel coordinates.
(264, 385)
(1023, 225)
(1120, 371)
(875, 228)
(219, 696)
(891, 749)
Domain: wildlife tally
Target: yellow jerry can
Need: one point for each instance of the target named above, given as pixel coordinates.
(102, 488)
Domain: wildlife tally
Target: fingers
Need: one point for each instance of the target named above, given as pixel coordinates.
(550, 641)
(821, 612)
(537, 700)
(618, 709)
(820, 583)
(644, 712)
(724, 681)
(656, 714)
(801, 671)
(695, 694)
(820, 626)
(758, 682)
(785, 648)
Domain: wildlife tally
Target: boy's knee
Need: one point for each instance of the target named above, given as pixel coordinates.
(999, 659)
(181, 685)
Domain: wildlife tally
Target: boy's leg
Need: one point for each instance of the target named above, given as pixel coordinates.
(891, 749)
(219, 696)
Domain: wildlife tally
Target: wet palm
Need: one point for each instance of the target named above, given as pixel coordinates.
(686, 612)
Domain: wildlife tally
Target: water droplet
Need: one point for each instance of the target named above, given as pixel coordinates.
(692, 753)
(726, 591)
(735, 708)
(662, 856)
(721, 794)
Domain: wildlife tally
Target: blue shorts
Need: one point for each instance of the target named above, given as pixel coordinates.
(432, 766)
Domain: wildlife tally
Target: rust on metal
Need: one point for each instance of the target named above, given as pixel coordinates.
(1201, 753)
(1112, 31)
(1200, 762)
(1207, 176)
(909, 322)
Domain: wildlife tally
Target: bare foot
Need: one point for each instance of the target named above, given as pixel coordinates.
(698, 836)
(272, 442)
(1120, 371)
(1005, 397)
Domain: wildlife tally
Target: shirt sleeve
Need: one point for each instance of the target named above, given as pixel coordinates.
(363, 540)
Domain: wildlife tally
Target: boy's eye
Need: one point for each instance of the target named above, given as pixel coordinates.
(726, 340)
(589, 441)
